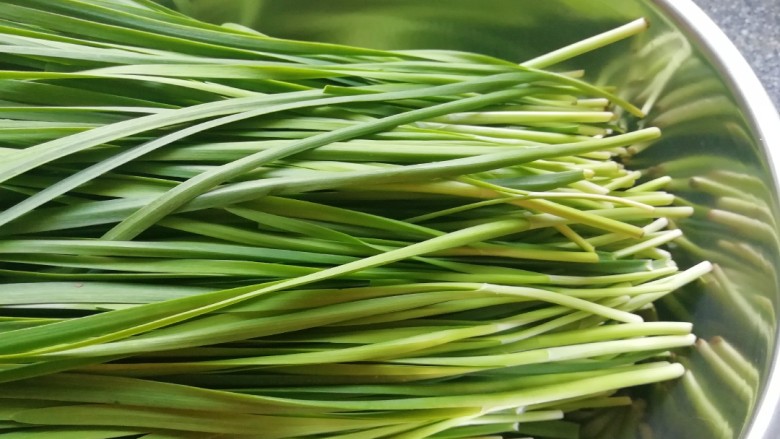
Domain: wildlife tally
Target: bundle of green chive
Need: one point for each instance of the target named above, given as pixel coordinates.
(211, 233)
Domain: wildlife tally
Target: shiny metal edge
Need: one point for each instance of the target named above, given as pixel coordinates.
(764, 121)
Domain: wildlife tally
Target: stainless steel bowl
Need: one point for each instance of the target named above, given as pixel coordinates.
(721, 132)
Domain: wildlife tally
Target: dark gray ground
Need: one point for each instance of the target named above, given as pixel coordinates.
(754, 26)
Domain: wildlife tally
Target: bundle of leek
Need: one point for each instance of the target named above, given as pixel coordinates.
(208, 232)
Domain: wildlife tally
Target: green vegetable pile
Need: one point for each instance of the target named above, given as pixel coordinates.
(207, 232)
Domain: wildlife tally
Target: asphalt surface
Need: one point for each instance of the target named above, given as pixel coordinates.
(754, 27)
